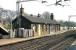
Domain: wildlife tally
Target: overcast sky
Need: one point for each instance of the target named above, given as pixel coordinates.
(35, 7)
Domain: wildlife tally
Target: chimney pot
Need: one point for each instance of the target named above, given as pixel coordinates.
(38, 15)
(52, 16)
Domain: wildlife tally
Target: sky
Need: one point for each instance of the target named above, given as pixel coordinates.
(35, 7)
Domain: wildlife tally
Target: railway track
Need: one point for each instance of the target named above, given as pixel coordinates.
(63, 45)
(37, 44)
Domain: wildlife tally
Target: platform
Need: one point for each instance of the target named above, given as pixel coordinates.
(14, 40)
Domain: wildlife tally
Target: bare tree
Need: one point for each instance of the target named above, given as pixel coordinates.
(1, 11)
(46, 15)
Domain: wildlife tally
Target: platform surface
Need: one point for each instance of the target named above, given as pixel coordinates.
(14, 40)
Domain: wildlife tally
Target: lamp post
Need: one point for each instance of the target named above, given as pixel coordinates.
(11, 29)
(68, 22)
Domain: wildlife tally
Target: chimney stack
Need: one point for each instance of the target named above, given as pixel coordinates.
(52, 16)
(21, 10)
(38, 15)
(31, 14)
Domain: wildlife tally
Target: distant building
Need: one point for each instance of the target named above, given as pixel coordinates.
(27, 25)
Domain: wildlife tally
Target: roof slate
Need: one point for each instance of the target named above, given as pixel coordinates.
(35, 19)
(41, 20)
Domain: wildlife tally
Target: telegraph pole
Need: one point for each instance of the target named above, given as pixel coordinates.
(69, 20)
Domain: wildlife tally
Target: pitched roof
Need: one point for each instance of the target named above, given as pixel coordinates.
(1, 26)
(35, 19)
(3, 30)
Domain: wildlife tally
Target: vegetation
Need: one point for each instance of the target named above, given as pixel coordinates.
(7, 26)
(7, 13)
(66, 23)
(46, 15)
(6, 17)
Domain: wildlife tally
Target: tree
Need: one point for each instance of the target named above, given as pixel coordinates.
(1, 10)
(66, 23)
(46, 15)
